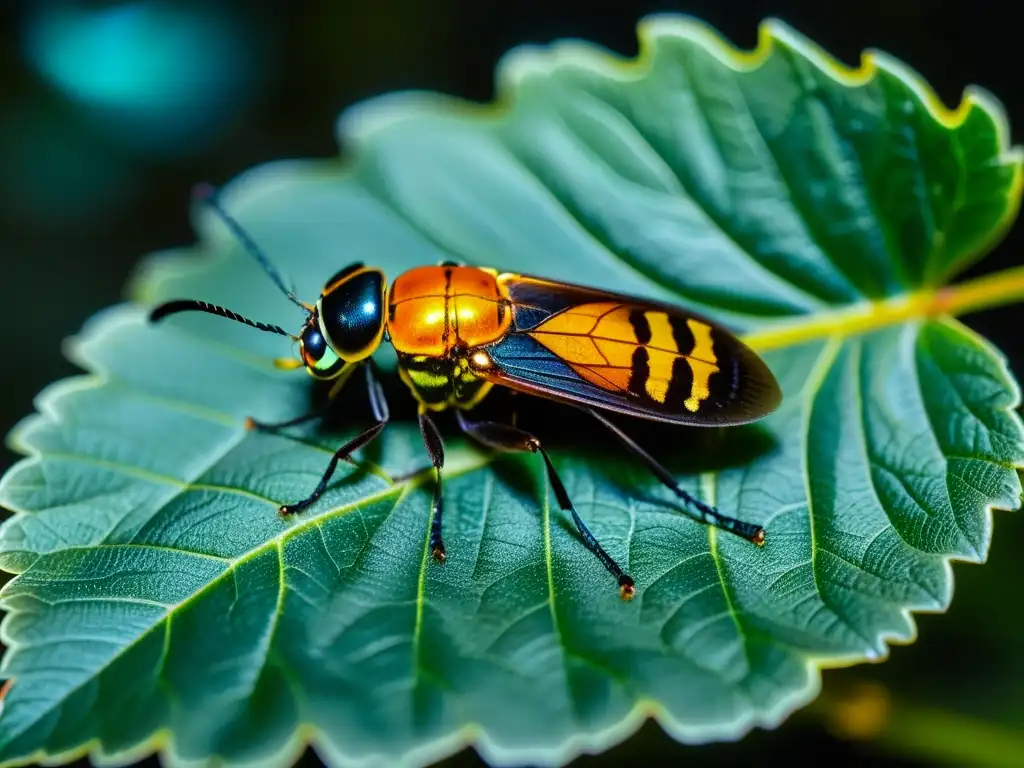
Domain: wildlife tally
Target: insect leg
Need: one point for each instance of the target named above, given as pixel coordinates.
(320, 410)
(708, 515)
(509, 438)
(435, 448)
(410, 473)
(381, 414)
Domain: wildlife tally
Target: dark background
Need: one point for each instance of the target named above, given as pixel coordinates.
(81, 201)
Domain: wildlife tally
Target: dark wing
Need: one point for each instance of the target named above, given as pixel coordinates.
(628, 355)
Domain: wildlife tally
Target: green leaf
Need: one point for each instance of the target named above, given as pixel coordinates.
(161, 602)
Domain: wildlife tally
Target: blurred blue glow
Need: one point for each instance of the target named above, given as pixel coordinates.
(53, 174)
(151, 73)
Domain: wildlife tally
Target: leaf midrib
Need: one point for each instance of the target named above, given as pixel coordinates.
(856, 319)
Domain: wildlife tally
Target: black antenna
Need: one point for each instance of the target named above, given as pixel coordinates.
(207, 193)
(194, 305)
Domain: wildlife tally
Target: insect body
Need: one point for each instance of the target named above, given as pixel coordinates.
(460, 330)
(438, 317)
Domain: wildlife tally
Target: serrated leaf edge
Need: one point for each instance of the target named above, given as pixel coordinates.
(360, 121)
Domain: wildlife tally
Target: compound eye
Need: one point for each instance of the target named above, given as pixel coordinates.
(316, 352)
(313, 346)
(351, 314)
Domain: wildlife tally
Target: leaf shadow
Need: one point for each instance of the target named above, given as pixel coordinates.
(563, 430)
(351, 412)
(567, 431)
(683, 450)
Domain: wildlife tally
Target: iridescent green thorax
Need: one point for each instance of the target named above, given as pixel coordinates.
(440, 383)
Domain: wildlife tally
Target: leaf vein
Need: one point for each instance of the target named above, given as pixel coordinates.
(823, 366)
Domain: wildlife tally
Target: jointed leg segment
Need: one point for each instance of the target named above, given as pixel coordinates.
(435, 448)
(708, 515)
(502, 437)
(381, 414)
(315, 413)
(508, 438)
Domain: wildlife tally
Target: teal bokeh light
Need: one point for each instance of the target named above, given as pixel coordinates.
(154, 74)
